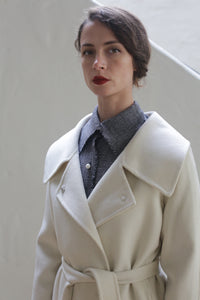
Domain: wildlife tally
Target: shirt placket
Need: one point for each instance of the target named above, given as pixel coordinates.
(95, 157)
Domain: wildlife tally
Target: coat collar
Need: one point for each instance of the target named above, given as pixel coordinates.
(156, 154)
(62, 150)
(156, 147)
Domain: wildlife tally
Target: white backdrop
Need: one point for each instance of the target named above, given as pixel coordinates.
(42, 95)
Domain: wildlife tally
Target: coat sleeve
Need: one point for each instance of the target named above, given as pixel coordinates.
(48, 257)
(180, 253)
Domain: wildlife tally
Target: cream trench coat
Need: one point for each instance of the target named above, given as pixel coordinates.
(143, 214)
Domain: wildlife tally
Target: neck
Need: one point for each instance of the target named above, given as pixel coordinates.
(111, 106)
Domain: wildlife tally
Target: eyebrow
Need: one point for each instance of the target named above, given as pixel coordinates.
(106, 43)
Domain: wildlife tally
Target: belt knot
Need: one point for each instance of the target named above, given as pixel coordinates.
(107, 281)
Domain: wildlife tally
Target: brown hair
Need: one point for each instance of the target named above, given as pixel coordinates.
(129, 31)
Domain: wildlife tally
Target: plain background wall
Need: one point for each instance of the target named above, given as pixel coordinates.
(43, 95)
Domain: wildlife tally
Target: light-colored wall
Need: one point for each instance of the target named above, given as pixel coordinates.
(43, 95)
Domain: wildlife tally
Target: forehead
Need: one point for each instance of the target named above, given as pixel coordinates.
(95, 32)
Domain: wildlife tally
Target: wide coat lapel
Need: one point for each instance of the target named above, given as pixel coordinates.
(70, 191)
(71, 195)
(112, 195)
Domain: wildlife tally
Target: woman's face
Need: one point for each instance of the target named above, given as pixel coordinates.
(107, 66)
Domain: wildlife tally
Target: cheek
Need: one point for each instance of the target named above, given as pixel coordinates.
(127, 72)
(130, 69)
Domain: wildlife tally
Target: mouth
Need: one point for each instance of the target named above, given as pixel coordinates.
(100, 80)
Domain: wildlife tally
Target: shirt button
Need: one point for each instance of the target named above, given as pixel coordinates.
(88, 166)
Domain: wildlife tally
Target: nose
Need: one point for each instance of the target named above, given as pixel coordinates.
(99, 63)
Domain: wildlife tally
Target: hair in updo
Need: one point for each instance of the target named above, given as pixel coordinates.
(129, 31)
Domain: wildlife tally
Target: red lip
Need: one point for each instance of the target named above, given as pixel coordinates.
(100, 80)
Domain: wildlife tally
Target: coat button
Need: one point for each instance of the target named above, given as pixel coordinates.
(123, 198)
(88, 166)
(63, 188)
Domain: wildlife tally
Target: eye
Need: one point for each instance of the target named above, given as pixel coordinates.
(87, 52)
(114, 50)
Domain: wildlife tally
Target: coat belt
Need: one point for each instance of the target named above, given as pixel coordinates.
(108, 282)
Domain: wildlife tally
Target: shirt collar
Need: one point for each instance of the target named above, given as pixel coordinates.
(117, 130)
(89, 128)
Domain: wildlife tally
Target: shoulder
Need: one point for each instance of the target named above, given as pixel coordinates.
(157, 153)
(62, 150)
(164, 139)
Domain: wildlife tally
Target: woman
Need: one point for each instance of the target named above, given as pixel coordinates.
(122, 187)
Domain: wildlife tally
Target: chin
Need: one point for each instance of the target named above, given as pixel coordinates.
(101, 91)
(103, 95)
